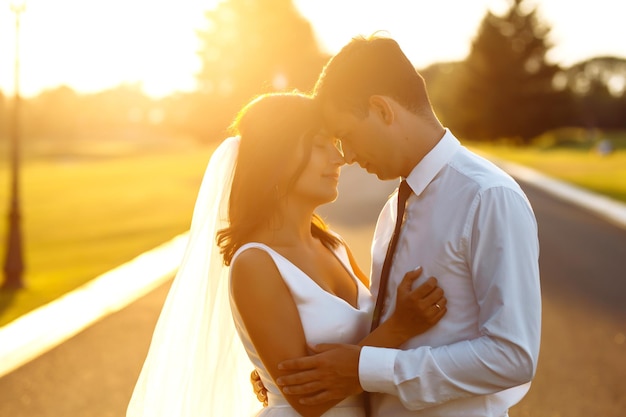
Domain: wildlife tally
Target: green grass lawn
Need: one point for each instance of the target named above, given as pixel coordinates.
(576, 160)
(84, 215)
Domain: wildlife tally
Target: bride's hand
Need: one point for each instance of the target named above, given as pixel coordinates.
(419, 309)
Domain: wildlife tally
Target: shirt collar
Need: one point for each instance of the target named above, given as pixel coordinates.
(433, 162)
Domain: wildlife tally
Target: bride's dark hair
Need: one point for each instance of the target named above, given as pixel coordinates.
(271, 127)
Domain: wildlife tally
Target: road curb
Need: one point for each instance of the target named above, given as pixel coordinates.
(38, 331)
(611, 210)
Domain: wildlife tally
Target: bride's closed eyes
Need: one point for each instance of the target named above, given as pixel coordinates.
(323, 141)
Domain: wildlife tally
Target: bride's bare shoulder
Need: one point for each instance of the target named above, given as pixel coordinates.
(257, 286)
(252, 268)
(251, 257)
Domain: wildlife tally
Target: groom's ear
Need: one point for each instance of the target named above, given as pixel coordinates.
(380, 106)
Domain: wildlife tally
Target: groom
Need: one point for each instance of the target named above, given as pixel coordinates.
(466, 222)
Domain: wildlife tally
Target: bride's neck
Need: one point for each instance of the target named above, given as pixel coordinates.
(289, 229)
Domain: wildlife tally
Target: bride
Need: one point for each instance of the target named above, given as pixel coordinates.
(261, 265)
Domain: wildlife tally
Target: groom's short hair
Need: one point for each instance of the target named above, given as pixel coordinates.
(370, 66)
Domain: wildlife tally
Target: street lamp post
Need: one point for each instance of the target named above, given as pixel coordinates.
(14, 262)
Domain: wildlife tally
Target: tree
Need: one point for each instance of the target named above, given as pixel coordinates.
(599, 88)
(442, 79)
(507, 88)
(254, 46)
(56, 112)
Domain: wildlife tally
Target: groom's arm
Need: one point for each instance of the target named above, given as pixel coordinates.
(506, 285)
(503, 254)
(332, 373)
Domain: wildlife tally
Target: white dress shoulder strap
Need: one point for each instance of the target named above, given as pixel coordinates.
(276, 257)
(287, 270)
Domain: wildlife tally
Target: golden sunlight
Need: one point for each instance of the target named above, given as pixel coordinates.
(91, 45)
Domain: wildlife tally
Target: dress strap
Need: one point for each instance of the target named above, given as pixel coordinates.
(256, 245)
(283, 264)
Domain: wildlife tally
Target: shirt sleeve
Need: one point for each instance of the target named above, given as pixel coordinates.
(503, 253)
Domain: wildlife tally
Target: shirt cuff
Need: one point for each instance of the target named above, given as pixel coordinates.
(376, 366)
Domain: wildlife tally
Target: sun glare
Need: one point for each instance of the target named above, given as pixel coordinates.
(91, 45)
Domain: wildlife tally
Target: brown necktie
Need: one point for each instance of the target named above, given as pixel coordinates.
(404, 190)
(403, 194)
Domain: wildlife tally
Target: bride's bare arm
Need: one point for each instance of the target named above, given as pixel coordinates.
(271, 317)
(332, 373)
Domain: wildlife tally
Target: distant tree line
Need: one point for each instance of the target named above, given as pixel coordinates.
(505, 88)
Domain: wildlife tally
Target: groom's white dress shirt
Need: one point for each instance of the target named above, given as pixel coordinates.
(468, 224)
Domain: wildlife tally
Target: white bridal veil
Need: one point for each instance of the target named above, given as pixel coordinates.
(196, 365)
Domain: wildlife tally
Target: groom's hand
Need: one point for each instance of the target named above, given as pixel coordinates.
(258, 387)
(332, 373)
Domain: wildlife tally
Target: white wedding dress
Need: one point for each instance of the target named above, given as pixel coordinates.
(325, 318)
(196, 366)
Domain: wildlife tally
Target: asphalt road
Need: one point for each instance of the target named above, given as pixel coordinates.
(582, 368)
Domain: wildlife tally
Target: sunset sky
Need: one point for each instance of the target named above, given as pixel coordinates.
(92, 45)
